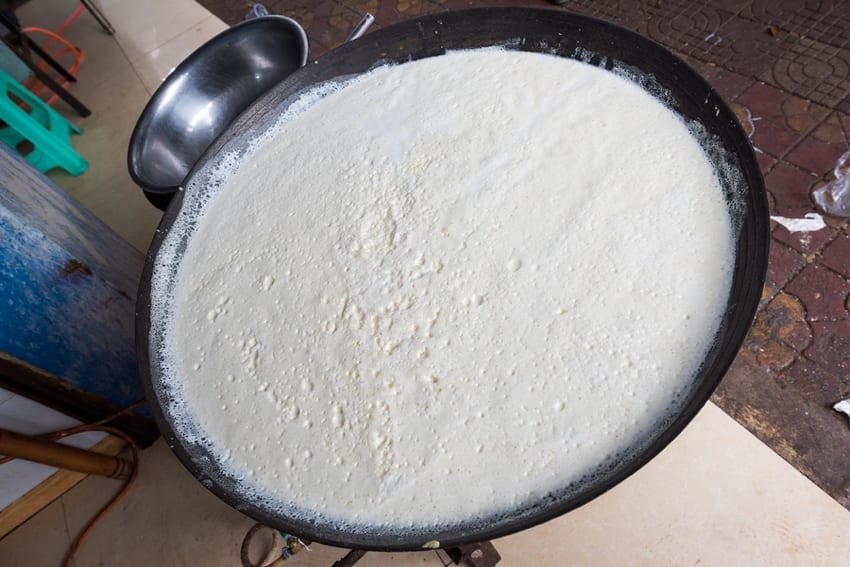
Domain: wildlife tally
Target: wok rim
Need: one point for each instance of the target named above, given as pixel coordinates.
(751, 271)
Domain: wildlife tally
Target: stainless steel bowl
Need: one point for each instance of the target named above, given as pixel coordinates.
(203, 95)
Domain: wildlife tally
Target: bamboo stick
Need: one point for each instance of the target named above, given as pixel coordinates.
(62, 456)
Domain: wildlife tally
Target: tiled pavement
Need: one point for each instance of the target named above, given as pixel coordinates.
(784, 65)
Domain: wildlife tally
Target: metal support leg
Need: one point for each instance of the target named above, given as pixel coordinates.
(55, 87)
(27, 45)
(474, 555)
(23, 51)
(98, 15)
(350, 558)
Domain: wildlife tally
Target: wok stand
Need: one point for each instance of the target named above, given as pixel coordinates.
(482, 554)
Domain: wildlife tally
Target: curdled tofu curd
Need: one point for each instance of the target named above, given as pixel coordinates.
(450, 288)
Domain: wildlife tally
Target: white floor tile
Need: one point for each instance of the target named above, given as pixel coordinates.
(23, 415)
(171, 519)
(168, 519)
(102, 56)
(715, 496)
(106, 188)
(6, 395)
(42, 541)
(82, 502)
(156, 65)
(27, 416)
(141, 27)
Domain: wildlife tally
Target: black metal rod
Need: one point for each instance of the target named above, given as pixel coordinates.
(24, 53)
(25, 40)
(350, 558)
(27, 44)
(56, 87)
(98, 15)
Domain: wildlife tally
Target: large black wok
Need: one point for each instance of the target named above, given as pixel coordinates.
(566, 35)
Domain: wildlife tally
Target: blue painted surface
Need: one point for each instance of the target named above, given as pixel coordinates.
(67, 287)
(57, 317)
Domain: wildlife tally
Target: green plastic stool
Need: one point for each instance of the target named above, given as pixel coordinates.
(47, 131)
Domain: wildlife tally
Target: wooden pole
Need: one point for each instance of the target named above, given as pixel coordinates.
(62, 456)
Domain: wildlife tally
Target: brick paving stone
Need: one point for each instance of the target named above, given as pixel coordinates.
(303, 11)
(790, 186)
(803, 115)
(728, 83)
(830, 345)
(833, 28)
(631, 14)
(782, 264)
(780, 120)
(790, 15)
(773, 135)
(766, 162)
(689, 28)
(815, 383)
(734, 6)
(762, 100)
(746, 48)
(837, 255)
(779, 334)
(835, 129)
(822, 292)
(813, 70)
(817, 156)
(808, 243)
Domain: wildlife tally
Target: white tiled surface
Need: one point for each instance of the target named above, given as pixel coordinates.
(19, 477)
(156, 65)
(141, 27)
(5, 396)
(716, 496)
(23, 415)
(106, 188)
(42, 541)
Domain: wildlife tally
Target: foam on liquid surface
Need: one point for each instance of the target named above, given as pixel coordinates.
(450, 289)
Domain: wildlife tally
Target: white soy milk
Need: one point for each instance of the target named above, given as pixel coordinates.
(451, 288)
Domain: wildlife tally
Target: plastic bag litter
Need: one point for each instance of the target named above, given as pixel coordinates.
(809, 223)
(843, 406)
(834, 197)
